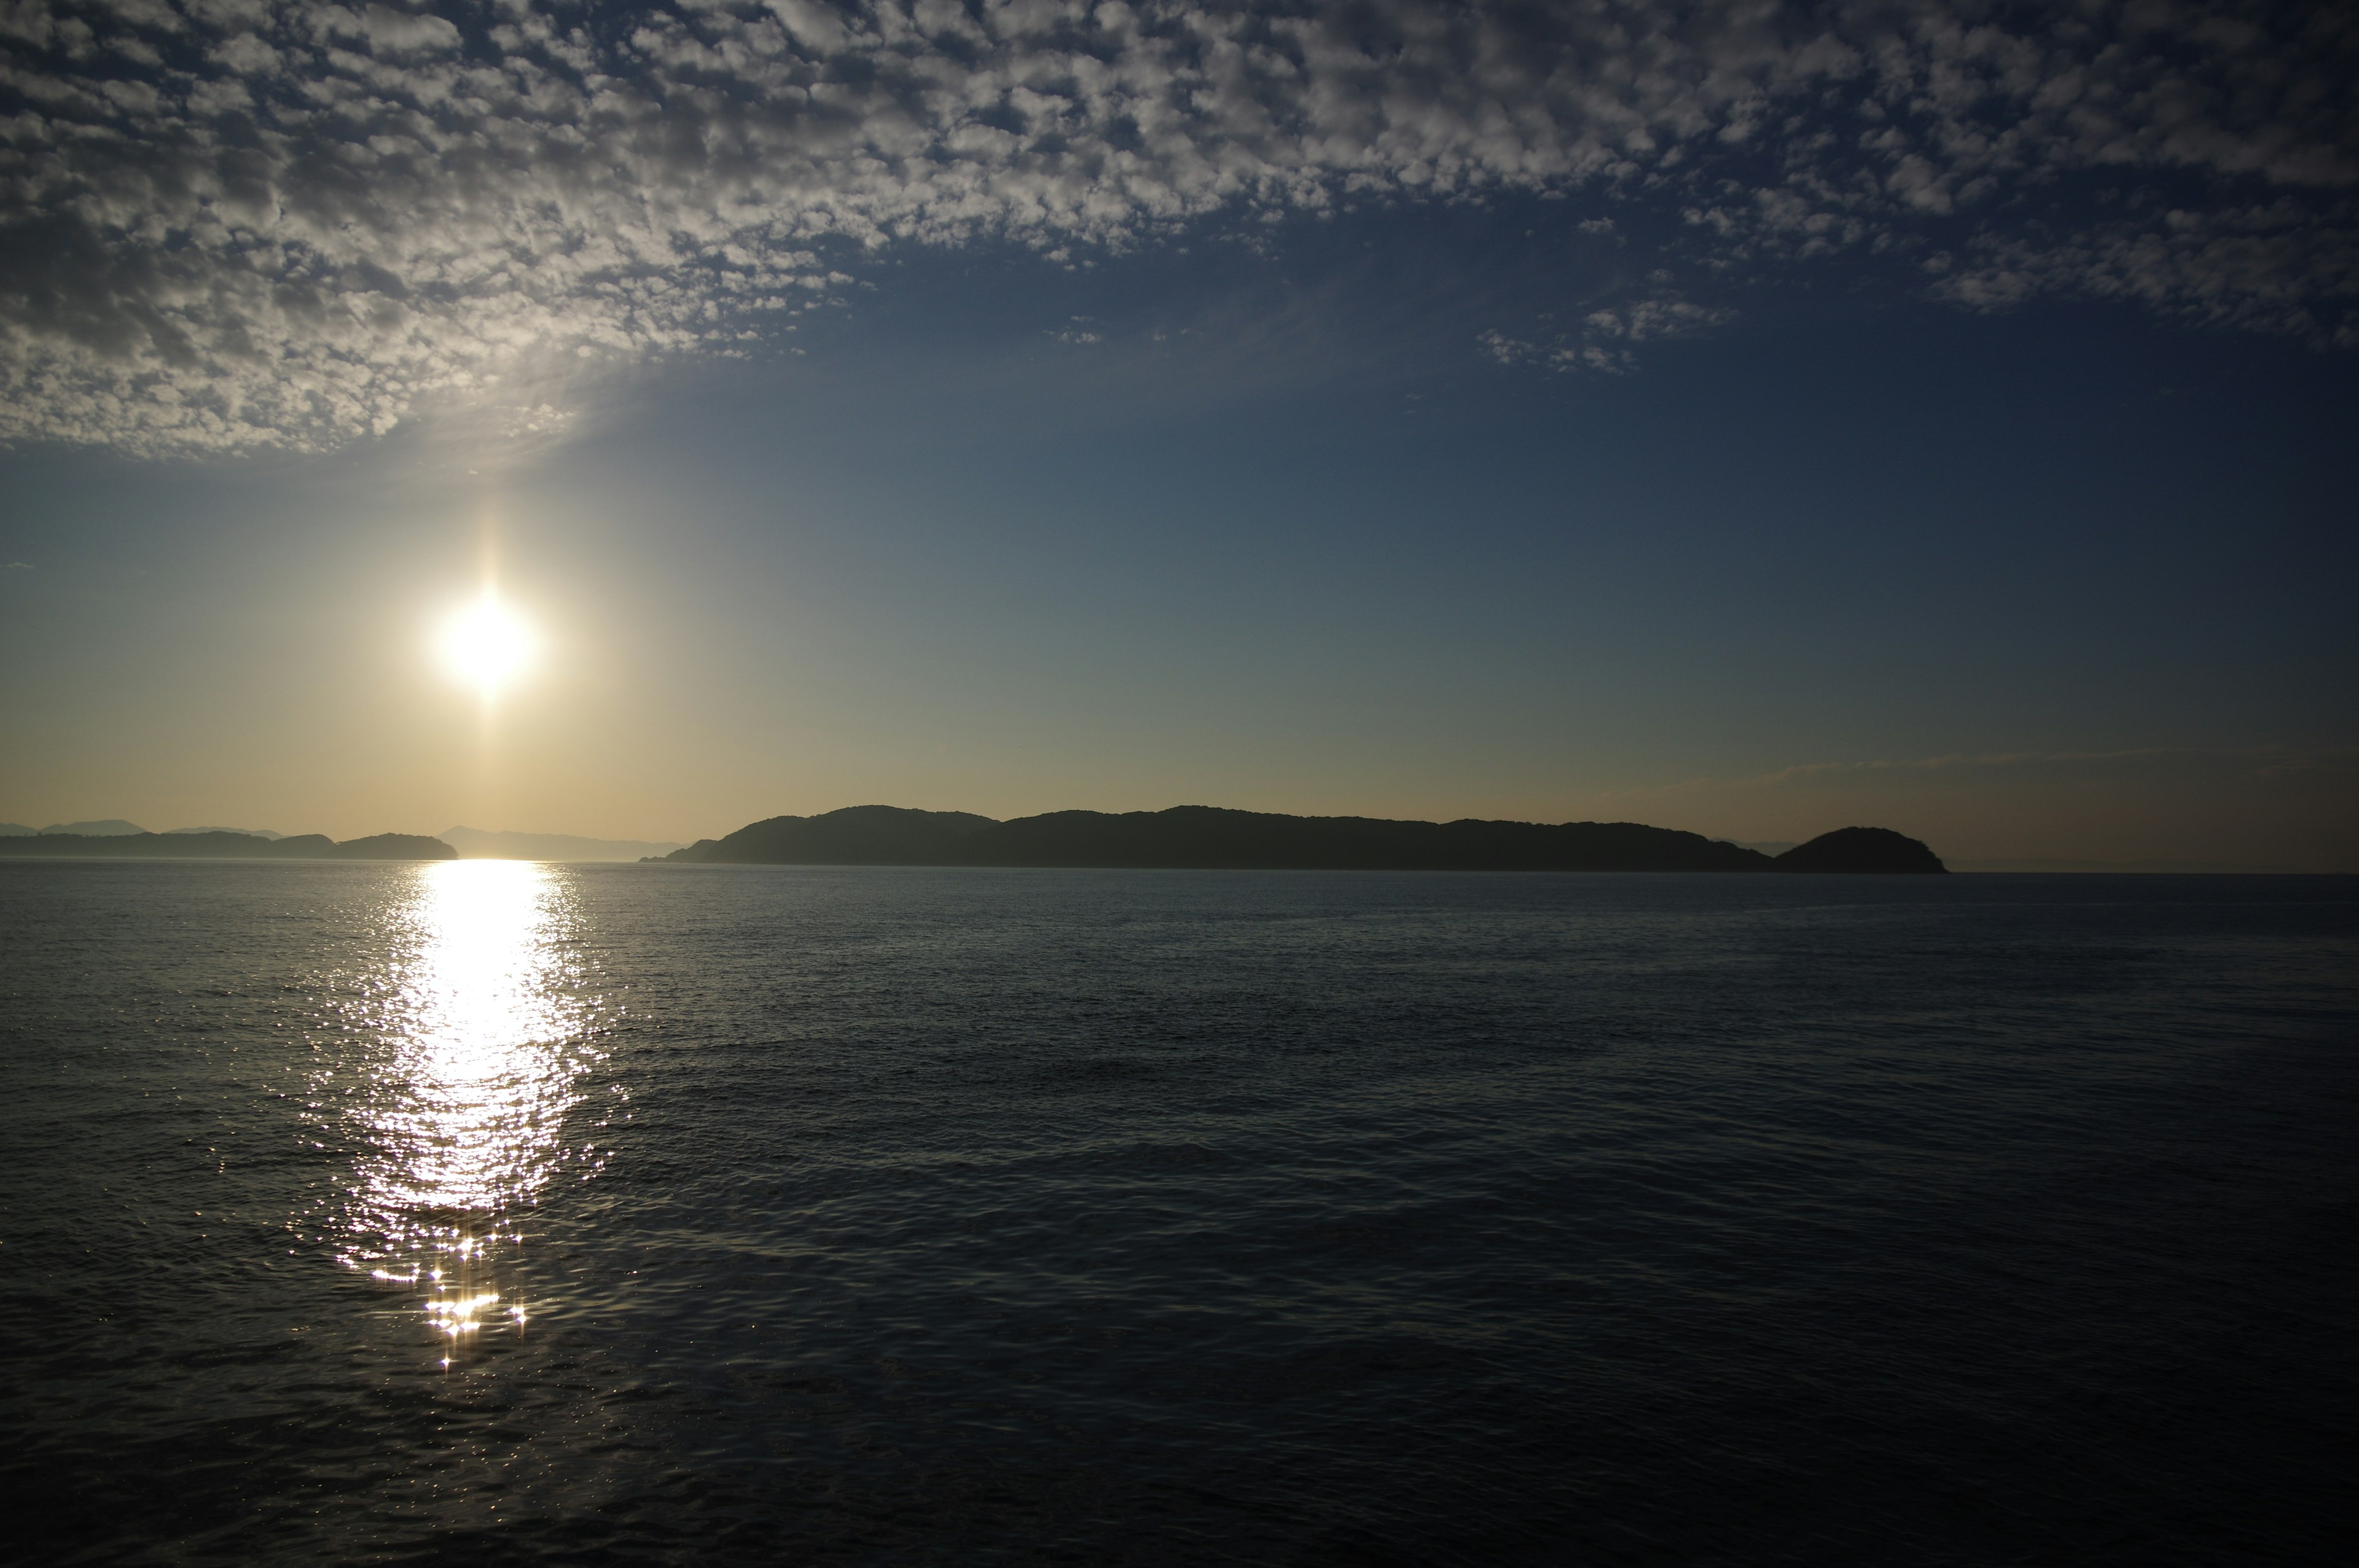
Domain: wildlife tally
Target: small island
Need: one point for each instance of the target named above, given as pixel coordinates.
(1203, 837)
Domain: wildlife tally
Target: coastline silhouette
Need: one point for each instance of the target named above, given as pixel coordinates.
(221, 845)
(1182, 837)
(1210, 838)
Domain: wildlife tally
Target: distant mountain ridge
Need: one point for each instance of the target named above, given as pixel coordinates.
(116, 827)
(225, 845)
(1212, 838)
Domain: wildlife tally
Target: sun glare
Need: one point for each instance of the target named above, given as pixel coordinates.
(486, 647)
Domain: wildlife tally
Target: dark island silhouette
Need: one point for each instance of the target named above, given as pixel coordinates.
(227, 846)
(1204, 837)
(1860, 849)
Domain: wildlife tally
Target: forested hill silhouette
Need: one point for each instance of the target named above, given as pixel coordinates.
(227, 846)
(855, 835)
(1209, 837)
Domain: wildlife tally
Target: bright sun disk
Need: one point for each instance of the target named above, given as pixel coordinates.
(485, 646)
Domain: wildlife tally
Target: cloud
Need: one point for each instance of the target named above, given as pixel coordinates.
(1600, 342)
(232, 223)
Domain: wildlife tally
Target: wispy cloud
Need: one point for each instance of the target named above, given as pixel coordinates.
(229, 224)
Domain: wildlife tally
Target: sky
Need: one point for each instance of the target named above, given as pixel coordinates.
(1748, 418)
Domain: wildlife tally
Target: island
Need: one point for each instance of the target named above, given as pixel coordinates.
(1204, 837)
(227, 846)
(1860, 849)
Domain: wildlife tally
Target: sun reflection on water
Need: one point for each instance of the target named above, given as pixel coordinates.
(483, 1038)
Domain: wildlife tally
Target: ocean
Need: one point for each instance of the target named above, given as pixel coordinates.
(486, 1210)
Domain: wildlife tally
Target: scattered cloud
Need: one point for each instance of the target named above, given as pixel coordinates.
(235, 224)
(1601, 342)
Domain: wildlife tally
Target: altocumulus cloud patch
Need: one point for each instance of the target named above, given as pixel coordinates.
(232, 223)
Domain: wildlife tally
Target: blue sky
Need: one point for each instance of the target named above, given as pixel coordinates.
(1746, 419)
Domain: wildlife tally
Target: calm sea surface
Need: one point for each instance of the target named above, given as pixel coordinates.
(481, 1210)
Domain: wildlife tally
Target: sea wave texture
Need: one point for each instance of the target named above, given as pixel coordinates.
(383, 1213)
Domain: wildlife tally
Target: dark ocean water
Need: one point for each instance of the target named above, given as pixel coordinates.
(356, 1212)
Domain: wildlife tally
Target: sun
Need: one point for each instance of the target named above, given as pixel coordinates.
(486, 645)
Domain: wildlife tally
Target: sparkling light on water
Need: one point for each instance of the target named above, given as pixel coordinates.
(480, 1046)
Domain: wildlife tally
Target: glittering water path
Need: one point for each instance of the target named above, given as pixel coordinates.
(479, 1037)
(716, 1214)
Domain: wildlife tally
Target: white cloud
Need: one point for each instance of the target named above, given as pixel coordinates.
(309, 221)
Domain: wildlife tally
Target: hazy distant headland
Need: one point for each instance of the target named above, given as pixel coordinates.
(478, 844)
(1211, 839)
(461, 843)
(216, 844)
